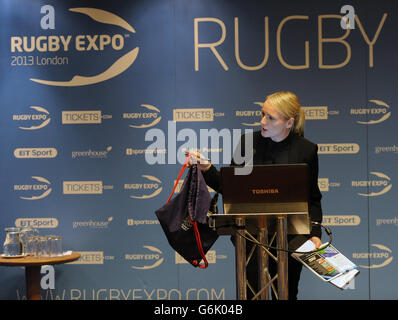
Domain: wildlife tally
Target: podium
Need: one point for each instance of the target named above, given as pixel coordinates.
(253, 213)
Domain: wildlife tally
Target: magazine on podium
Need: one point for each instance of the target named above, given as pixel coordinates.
(328, 263)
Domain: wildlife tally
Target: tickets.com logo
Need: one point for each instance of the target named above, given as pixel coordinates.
(85, 187)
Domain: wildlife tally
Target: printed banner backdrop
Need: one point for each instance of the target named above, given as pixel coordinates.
(88, 88)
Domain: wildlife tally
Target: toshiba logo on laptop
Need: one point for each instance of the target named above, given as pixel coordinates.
(265, 191)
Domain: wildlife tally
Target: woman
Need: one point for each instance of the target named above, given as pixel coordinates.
(281, 141)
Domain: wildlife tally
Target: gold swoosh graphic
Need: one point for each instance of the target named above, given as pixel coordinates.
(375, 194)
(381, 247)
(380, 175)
(150, 107)
(40, 109)
(157, 263)
(154, 122)
(380, 103)
(41, 179)
(154, 194)
(153, 249)
(375, 266)
(255, 124)
(385, 117)
(43, 124)
(119, 66)
(152, 178)
(104, 17)
(45, 194)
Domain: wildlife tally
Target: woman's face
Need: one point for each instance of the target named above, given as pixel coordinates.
(273, 124)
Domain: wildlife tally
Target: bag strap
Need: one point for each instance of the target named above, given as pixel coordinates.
(178, 178)
(200, 248)
(194, 223)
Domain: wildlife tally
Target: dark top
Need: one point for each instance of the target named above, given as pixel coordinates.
(293, 149)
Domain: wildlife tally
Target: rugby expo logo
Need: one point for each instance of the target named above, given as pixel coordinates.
(58, 44)
(148, 117)
(150, 259)
(40, 189)
(151, 185)
(33, 121)
(373, 114)
(252, 117)
(379, 185)
(249, 113)
(380, 257)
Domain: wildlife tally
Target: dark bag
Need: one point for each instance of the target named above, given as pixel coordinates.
(184, 218)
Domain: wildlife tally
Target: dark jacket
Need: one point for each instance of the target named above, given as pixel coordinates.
(294, 149)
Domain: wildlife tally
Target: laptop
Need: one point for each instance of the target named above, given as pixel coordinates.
(269, 190)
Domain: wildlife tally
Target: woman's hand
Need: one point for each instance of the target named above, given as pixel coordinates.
(316, 241)
(196, 158)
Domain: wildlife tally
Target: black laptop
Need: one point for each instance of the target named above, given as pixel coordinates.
(269, 190)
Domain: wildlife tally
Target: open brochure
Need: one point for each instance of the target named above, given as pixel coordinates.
(328, 263)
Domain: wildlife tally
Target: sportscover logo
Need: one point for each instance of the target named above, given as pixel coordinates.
(82, 43)
(380, 258)
(146, 261)
(381, 184)
(141, 222)
(35, 191)
(40, 120)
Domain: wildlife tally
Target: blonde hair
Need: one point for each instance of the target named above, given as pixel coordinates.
(288, 105)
